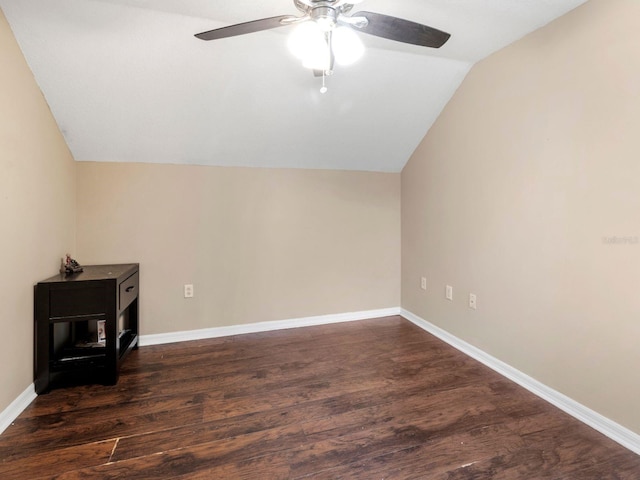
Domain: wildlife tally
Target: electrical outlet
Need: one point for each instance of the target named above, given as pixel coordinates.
(472, 301)
(448, 293)
(423, 283)
(188, 291)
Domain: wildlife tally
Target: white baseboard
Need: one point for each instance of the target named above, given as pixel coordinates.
(604, 425)
(15, 408)
(160, 338)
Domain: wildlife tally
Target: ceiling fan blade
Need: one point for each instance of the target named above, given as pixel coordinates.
(246, 27)
(401, 30)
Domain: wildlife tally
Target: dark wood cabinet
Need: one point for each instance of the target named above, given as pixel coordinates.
(85, 325)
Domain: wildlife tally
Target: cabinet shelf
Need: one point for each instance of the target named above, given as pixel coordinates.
(77, 318)
(70, 310)
(82, 360)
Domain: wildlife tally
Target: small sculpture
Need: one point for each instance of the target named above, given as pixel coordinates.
(69, 265)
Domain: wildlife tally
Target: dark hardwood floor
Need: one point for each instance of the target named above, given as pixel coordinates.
(375, 399)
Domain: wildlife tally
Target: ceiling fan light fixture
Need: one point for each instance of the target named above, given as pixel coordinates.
(308, 43)
(303, 38)
(317, 59)
(347, 46)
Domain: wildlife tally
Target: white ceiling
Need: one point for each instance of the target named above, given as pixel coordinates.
(127, 81)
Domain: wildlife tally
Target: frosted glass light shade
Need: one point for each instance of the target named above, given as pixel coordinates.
(318, 60)
(308, 43)
(347, 46)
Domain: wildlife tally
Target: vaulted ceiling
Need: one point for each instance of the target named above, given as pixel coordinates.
(127, 81)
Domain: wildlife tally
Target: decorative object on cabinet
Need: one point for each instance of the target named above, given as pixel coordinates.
(69, 265)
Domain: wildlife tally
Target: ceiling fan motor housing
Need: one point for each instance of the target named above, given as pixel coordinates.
(324, 12)
(325, 17)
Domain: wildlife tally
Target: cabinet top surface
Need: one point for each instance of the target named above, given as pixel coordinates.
(95, 272)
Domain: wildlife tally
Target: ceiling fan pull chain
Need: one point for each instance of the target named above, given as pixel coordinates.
(325, 71)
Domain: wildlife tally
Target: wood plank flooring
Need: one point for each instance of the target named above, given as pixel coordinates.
(374, 399)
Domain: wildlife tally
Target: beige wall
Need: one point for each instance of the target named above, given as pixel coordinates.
(258, 244)
(532, 165)
(37, 209)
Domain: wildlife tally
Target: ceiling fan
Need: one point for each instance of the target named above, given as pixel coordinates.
(333, 21)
